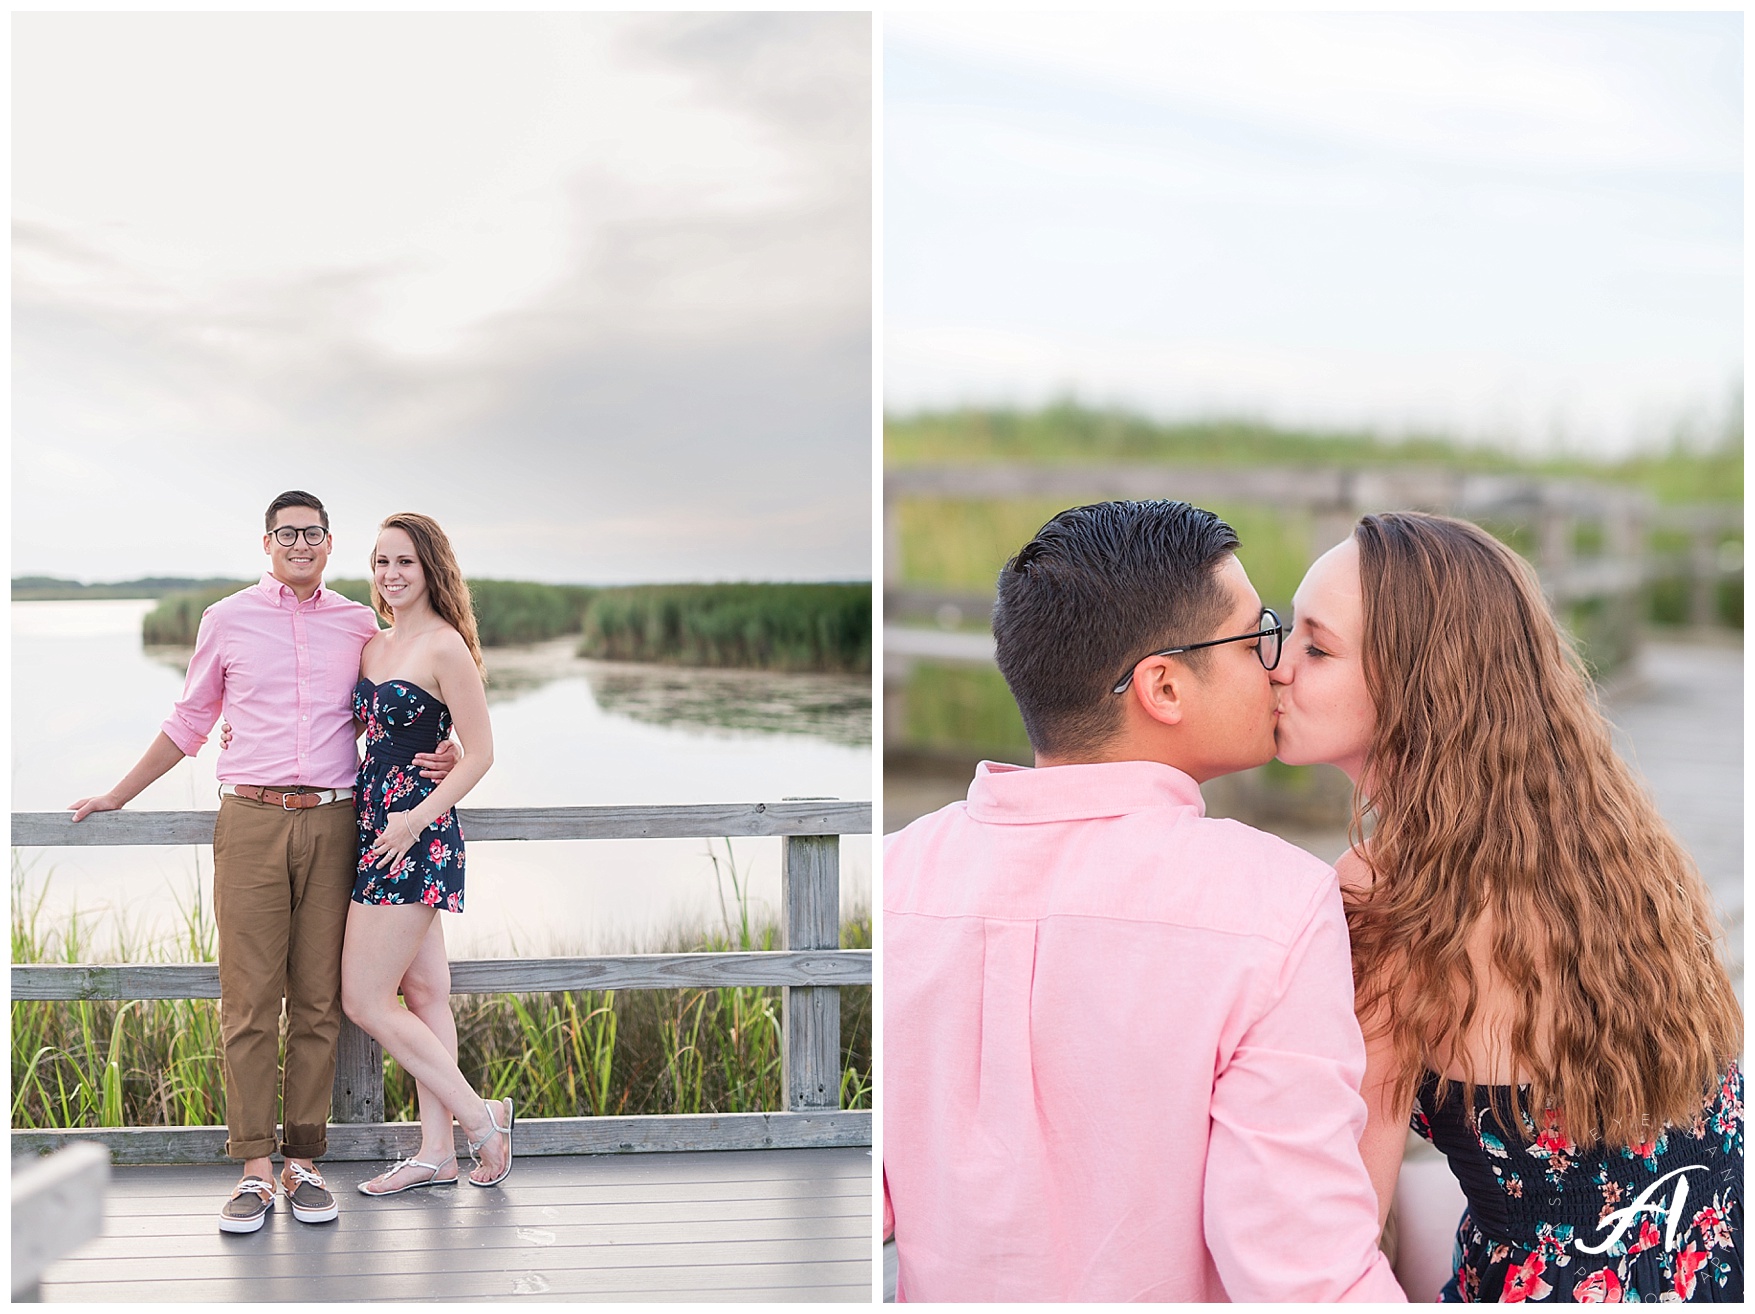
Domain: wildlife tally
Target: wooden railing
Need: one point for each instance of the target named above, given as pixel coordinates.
(810, 969)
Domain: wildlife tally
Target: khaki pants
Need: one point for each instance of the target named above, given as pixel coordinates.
(281, 885)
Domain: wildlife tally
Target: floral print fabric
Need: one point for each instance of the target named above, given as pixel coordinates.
(402, 719)
(1550, 1220)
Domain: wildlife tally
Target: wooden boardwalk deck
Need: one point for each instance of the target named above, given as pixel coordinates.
(729, 1225)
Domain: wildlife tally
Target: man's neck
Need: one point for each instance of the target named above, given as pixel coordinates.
(1123, 748)
(303, 592)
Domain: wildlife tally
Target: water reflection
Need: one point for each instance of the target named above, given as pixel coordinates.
(567, 732)
(836, 708)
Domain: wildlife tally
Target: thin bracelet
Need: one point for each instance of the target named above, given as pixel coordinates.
(413, 838)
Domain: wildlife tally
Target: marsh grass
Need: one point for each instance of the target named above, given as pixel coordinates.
(101, 1063)
(779, 627)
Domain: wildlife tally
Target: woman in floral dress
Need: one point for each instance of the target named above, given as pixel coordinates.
(417, 678)
(1535, 956)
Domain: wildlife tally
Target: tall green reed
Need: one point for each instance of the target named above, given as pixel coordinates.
(573, 1053)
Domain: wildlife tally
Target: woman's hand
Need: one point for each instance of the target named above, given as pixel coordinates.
(225, 735)
(401, 833)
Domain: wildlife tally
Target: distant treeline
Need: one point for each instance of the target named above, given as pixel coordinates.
(786, 627)
(49, 588)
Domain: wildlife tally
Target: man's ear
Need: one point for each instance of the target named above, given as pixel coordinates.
(1161, 688)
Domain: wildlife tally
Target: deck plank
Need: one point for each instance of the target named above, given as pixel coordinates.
(730, 1225)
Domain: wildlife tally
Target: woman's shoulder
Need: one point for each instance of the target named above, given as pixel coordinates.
(446, 644)
(1355, 872)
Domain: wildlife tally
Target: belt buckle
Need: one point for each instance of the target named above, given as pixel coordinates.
(295, 807)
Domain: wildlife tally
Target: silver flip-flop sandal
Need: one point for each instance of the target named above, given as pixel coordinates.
(432, 1178)
(498, 1130)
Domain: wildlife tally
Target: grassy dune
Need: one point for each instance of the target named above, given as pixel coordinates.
(1068, 433)
(960, 545)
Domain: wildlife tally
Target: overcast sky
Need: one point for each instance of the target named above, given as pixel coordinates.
(1520, 228)
(592, 290)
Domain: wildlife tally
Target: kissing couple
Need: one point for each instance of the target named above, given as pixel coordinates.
(329, 872)
(1135, 1053)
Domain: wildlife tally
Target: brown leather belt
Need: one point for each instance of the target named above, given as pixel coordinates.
(290, 799)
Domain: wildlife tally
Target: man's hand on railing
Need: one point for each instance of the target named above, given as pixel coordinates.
(83, 808)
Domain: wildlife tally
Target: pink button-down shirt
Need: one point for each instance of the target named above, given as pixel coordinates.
(1120, 1060)
(282, 672)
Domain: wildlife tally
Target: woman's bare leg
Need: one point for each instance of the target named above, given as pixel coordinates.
(426, 990)
(382, 943)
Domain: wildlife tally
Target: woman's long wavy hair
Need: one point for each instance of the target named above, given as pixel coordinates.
(446, 587)
(1502, 812)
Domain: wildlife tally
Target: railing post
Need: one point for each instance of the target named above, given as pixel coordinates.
(359, 1077)
(57, 1204)
(810, 898)
(1703, 575)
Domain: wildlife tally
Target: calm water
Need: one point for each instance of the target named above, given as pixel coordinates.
(87, 698)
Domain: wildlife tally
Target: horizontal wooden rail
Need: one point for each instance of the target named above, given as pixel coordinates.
(679, 821)
(809, 970)
(365, 1141)
(820, 967)
(1310, 487)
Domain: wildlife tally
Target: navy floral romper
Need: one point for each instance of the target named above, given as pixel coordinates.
(403, 719)
(1550, 1220)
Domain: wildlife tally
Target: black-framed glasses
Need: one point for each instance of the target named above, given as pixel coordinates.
(287, 535)
(1269, 631)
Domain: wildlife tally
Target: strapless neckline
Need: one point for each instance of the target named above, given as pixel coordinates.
(395, 679)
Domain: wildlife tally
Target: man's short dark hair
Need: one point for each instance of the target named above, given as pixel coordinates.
(293, 497)
(1099, 587)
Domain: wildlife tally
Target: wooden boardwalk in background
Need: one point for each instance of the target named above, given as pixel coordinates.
(1681, 726)
(727, 1225)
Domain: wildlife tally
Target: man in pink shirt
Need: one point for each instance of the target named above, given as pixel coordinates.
(1120, 1057)
(280, 660)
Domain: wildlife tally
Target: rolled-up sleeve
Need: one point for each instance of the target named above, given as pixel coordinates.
(1290, 1213)
(192, 719)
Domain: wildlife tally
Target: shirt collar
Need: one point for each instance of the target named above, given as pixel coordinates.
(281, 595)
(1021, 795)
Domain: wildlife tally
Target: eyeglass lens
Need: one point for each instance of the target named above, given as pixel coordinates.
(1269, 650)
(287, 535)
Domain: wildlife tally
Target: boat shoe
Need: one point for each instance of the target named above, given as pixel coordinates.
(310, 1199)
(249, 1206)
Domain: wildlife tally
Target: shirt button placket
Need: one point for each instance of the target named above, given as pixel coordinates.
(302, 662)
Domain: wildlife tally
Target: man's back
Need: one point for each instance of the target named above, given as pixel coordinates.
(1119, 1054)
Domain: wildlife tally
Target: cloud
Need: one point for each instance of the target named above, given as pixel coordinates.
(684, 393)
(1516, 227)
